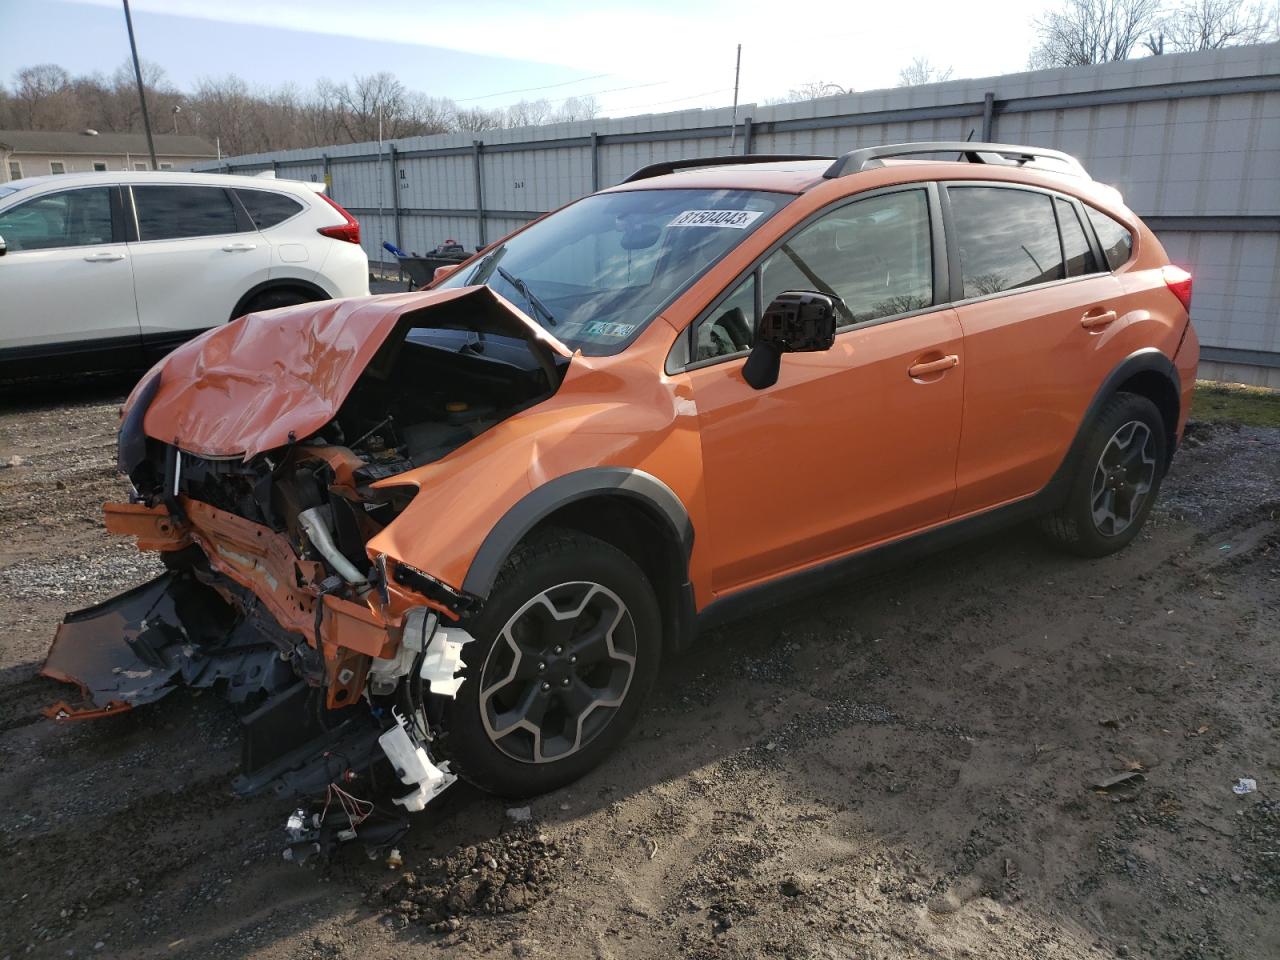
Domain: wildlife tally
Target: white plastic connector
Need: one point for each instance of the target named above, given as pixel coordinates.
(444, 660)
(414, 767)
(419, 627)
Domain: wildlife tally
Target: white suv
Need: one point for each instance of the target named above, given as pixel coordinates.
(104, 271)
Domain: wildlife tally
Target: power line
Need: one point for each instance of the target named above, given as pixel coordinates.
(549, 86)
(659, 103)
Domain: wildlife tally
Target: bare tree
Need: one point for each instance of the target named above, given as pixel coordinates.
(1092, 31)
(811, 91)
(249, 120)
(529, 113)
(43, 98)
(476, 119)
(1214, 24)
(577, 108)
(921, 71)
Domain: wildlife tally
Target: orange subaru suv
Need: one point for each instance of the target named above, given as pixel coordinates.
(455, 532)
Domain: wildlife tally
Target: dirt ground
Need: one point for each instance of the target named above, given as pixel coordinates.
(904, 767)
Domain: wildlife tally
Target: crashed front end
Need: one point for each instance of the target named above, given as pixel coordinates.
(262, 507)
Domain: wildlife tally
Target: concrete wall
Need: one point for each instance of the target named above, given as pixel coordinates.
(1191, 140)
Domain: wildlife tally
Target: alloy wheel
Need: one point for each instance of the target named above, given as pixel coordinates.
(1123, 478)
(558, 672)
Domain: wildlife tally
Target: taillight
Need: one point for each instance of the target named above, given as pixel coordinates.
(349, 231)
(1179, 283)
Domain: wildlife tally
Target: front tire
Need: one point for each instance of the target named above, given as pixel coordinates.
(1117, 480)
(567, 647)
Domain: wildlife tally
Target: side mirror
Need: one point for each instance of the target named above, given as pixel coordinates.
(3, 248)
(442, 272)
(798, 321)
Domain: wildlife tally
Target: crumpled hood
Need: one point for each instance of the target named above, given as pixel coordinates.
(250, 386)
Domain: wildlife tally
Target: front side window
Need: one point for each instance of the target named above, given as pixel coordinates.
(72, 218)
(1007, 239)
(597, 272)
(874, 255)
(176, 212)
(1114, 238)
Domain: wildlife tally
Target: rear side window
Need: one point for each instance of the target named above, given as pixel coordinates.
(1075, 244)
(266, 209)
(1007, 239)
(1114, 238)
(175, 212)
(72, 218)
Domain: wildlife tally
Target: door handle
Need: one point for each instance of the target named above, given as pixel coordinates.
(1097, 318)
(103, 256)
(237, 247)
(932, 366)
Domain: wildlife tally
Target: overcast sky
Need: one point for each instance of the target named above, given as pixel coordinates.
(652, 56)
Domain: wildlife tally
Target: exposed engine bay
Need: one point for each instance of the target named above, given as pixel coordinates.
(338, 662)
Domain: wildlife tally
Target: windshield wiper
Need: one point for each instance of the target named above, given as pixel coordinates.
(530, 298)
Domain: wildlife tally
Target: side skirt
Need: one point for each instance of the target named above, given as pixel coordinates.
(754, 600)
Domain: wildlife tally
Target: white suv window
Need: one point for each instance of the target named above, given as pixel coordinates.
(71, 218)
(176, 212)
(267, 208)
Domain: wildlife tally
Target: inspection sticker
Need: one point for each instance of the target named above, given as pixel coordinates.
(599, 328)
(732, 219)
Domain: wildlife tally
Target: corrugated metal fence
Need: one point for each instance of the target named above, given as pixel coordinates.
(1191, 140)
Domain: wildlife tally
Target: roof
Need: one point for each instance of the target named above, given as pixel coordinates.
(104, 144)
(65, 180)
(800, 176)
(779, 176)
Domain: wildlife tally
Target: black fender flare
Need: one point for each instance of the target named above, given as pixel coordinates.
(1140, 361)
(544, 500)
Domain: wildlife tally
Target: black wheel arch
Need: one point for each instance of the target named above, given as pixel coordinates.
(312, 290)
(629, 508)
(1146, 372)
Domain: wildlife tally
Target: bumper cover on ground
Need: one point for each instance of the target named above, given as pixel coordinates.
(141, 645)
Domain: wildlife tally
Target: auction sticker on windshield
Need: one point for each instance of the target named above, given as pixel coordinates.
(732, 219)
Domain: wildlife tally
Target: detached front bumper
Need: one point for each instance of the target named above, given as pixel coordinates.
(137, 647)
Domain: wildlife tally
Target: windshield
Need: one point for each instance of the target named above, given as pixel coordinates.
(595, 273)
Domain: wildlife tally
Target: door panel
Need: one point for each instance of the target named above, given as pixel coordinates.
(1038, 347)
(1032, 368)
(193, 260)
(847, 449)
(64, 280)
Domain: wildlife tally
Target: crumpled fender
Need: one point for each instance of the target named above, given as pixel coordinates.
(268, 379)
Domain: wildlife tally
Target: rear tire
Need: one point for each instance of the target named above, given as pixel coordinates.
(567, 647)
(1116, 482)
(280, 297)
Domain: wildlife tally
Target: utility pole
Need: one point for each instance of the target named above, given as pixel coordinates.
(142, 93)
(737, 71)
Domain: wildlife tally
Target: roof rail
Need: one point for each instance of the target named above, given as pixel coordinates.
(1005, 154)
(671, 166)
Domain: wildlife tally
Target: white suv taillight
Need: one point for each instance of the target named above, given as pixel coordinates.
(349, 231)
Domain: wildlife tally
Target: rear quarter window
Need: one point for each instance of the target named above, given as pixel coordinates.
(267, 208)
(1113, 236)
